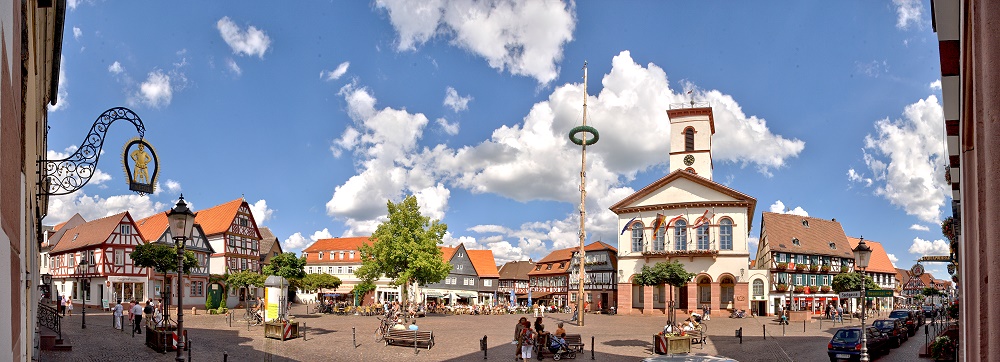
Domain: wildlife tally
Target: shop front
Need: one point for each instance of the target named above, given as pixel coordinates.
(126, 288)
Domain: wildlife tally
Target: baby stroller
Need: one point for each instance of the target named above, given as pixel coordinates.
(556, 346)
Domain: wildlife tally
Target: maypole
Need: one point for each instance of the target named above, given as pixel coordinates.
(583, 143)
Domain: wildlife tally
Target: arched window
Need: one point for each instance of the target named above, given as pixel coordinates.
(661, 234)
(758, 288)
(637, 236)
(680, 235)
(702, 233)
(689, 139)
(726, 234)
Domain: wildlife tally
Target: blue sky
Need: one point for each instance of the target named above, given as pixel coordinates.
(321, 112)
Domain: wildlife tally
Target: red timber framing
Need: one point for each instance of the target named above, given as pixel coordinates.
(109, 258)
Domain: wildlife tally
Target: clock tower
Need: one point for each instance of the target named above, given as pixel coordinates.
(691, 131)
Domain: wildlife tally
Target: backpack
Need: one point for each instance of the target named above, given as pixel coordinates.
(527, 337)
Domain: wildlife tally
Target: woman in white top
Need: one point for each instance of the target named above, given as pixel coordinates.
(118, 314)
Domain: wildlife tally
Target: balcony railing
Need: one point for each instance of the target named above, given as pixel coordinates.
(49, 317)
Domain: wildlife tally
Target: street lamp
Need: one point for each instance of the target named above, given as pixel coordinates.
(81, 269)
(181, 227)
(862, 254)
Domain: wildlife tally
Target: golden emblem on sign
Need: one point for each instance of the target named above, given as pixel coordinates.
(142, 158)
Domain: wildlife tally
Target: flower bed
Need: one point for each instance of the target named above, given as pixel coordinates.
(825, 268)
(800, 267)
(680, 252)
(824, 289)
(814, 268)
(781, 287)
(782, 265)
(800, 289)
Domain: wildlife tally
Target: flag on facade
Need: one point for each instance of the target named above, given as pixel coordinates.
(657, 222)
(626, 226)
(704, 219)
(672, 221)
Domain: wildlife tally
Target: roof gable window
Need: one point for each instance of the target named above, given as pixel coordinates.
(796, 242)
(833, 246)
(805, 222)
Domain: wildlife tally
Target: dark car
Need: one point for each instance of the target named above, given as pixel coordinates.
(908, 317)
(894, 328)
(930, 311)
(846, 343)
(919, 314)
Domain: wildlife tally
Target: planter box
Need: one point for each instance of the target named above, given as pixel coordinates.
(160, 339)
(674, 344)
(281, 330)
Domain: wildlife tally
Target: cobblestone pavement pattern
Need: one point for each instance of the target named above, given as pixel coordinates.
(329, 338)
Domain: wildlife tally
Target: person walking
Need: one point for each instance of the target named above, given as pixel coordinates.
(69, 306)
(517, 337)
(527, 338)
(136, 317)
(118, 314)
(840, 313)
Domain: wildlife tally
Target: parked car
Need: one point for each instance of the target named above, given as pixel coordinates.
(894, 328)
(919, 314)
(930, 311)
(908, 317)
(846, 343)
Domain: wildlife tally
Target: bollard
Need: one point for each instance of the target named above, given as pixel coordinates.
(739, 333)
(303, 331)
(803, 326)
(783, 329)
(482, 346)
(225, 356)
(592, 347)
(764, 331)
(354, 337)
(414, 342)
(187, 345)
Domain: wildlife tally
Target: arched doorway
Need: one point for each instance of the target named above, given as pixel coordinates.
(727, 290)
(704, 292)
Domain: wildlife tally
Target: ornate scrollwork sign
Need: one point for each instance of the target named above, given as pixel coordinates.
(145, 165)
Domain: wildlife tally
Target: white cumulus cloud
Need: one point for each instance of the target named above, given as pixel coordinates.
(336, 73)
(520, 36)
(298, 242)
(173, 186)
(908, 13)
(935, 85)
(919, 227)
(77, 33)
(906, 157)
(893, 258)
(449, 128)
(854, 176)
(454, 101)
(156, 91)
(779, 207)
(251, 41)
(260, 211)
(233, 67)
(62, 207)
(926, 247)
(115, 68)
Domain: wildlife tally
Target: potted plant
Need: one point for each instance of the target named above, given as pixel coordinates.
(814, 268)
(844, 269)
(799, 289)
(942, 349)
(800, 267)
(825, 268)
(824, 289)
(781, 287)
(782, 265)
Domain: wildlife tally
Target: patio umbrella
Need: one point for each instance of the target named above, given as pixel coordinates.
(451, 299)
(513, 298)
(529, 299)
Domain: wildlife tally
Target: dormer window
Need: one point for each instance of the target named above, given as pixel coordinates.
(833, 246)
(538, 267)
(548, 266)
(321, 255)
(562, 264)
(795, 241)
(805, 222)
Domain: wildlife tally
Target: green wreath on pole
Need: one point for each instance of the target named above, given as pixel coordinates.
(586, 129)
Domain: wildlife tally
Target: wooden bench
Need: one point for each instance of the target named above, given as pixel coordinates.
(574, 342)
(697, 337)
(409, 338)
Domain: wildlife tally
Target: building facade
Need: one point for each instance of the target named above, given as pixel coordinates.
(92, 264)
(881, 270)
(270, 246)
(514, 279)
(196, 284)
(600, 278)
(801, 256)
(686, 217)
(549, 280)
(472, 280)
(32, 32)
(235, 240)
(340, 257)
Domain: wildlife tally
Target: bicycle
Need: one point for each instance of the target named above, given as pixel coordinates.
(386, 323)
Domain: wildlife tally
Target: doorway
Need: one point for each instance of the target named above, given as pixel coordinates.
(604, 302)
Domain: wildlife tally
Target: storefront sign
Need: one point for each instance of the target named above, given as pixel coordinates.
(120, 279)
(917, 270)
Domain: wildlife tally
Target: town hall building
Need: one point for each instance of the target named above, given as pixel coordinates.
(686, 217)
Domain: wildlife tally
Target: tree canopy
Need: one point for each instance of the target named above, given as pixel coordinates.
(404, 248)
(245, 278)
(287, 265)
(930, 292)
(320, 281)
(162, 258)
(848, 282)
(670, 273)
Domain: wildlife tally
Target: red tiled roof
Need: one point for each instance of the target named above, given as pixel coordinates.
(484, 263)
(879, 262)
(60, 225)
(599, 245)
(447, 252)
(73, 222)
(516, 270)
(91, 233)
(903, 275)
(217, 219)
(335, 244)
(557, 262)
(153, 226)
(779, 230)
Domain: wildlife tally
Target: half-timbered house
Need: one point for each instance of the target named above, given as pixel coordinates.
(548, 281)
(91, 262)
(270, 246)
(235, 241)
(600, 281)
(154, 230)
(514, 278)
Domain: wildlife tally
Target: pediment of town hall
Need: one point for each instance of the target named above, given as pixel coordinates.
(687, 217)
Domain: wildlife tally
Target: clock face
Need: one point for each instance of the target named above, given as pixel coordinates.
(689, 160)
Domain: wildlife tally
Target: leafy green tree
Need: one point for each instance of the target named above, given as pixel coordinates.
(930, 292)
(669, 273)
(162, 258)
(286, 265)
(320, 281)
(244, 278)
(847, 282)
(361, 289)
(405, 248)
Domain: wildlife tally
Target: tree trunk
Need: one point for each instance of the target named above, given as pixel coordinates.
(404, 295)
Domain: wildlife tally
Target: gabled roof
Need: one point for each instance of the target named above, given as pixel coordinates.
(447, 252)
(557, 262)
(814, 235)
(879, 262)
(73, 222)
(516, 270)
(623, 206)
(267, 240)
(217, 219)
(903, 275)
(91, 233)
(599, 245)
(153, 226)
(335, 244)
(484, 263)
